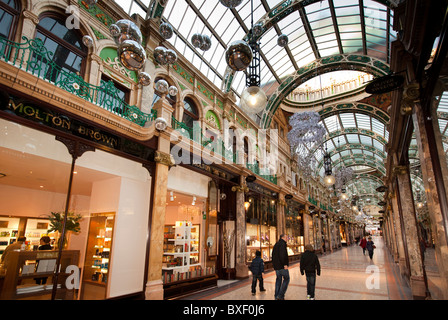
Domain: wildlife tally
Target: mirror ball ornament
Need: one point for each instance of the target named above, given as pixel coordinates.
(131, 55)
(282, 40)
(239, 55)
(197, 40)
(128, 31)
(162, 86)
(114, 30)
(166, 30)
(160, 55)
(206, 42)
(171, 56)
(172, 91)
(257, 30)
(144, 78)
(91, 2)
(88, 41)
(231, 3)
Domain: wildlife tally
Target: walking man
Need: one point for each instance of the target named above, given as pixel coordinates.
(309, 264)
(280, 262)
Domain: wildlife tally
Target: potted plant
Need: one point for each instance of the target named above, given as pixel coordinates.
(57, 222)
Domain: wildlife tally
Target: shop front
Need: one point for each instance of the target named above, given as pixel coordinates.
(261, 222)
(294, 229)
(53, 163)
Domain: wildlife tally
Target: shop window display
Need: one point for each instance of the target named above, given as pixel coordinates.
(261, 230)
(98, 252)
(184, 233)
(294, 230)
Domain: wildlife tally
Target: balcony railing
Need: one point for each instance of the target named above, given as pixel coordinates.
(209, 143)
(33, 57)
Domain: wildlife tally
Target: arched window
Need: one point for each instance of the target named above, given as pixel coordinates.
(190, 112)
(9, 15)
(65, 44)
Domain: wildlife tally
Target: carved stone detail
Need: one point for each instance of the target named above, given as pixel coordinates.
(164, 158)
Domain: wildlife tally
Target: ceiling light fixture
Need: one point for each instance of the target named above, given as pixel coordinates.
(253, 98)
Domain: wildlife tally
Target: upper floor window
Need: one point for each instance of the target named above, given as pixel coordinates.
(191, 113)
(9, 13)
(65, 44)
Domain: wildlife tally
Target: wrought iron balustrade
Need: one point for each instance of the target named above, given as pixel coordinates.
(33, 57)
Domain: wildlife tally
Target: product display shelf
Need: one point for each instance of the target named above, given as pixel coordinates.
(9, 230)
(98, 250)
(181, 247)
(23, 266)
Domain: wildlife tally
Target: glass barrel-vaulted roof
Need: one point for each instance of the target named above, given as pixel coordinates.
(315, 29)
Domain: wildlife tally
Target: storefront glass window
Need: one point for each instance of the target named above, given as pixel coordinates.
(184, 243)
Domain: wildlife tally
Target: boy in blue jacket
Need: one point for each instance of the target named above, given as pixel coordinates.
(257, 268)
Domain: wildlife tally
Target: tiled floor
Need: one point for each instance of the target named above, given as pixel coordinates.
(346, 274)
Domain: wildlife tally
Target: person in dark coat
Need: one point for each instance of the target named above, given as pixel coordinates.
(309, 264)
(44, 245)
(257, 269)
(370, 246)
(280, 261)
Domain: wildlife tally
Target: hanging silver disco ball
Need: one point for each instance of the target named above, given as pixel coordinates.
(166, 30)
(88, 41)
(114, 30)
(172, 91)
(238, 55)
(160, 55)
(171, 56)
(128, 31)
(144, 78)
(131, 55)
(257, 30)
(231, 3)
(206, 42)
(91, 2)
(282, 40)
(197, 40)
(162, 86)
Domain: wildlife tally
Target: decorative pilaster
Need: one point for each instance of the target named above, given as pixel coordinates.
(240, 261)
(281, 221)
(417, 280)
(163, 162)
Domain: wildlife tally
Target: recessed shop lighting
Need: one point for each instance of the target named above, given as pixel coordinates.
(41, 186)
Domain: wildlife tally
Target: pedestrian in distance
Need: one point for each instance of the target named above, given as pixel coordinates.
(257, 269)
(310, 266)
(363, 244)
(370, 246)
(280, 261)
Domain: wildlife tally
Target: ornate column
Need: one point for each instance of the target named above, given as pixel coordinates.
(306, 229)
(281, 222)
(417, 280)
(164, 160)
(240, 261)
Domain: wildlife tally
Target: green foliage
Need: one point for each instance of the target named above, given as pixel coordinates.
(57, 221)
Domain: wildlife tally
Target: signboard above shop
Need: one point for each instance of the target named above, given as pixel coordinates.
(385, 84)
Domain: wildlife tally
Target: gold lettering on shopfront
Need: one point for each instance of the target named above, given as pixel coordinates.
(98, 136)
(49, 118)
(39, 114)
